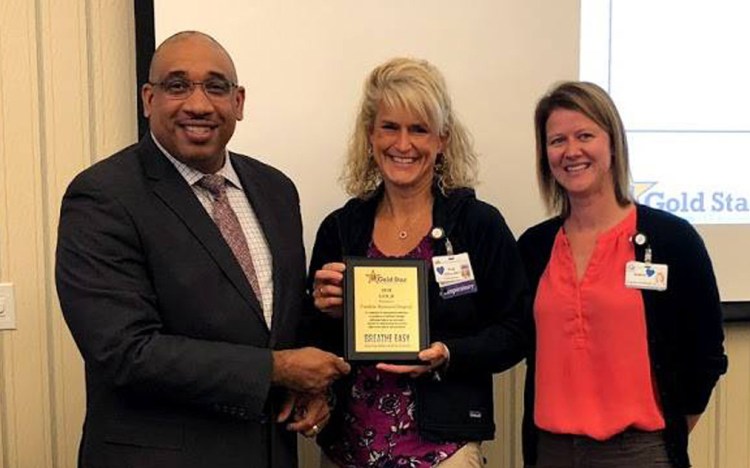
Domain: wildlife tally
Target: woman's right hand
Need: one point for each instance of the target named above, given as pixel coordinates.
(328, 291)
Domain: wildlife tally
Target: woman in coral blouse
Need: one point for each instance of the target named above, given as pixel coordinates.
(626, 310)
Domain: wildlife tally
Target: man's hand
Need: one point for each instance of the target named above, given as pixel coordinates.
(308, 370)
(328, 289)
(435, 356)
(305, 413)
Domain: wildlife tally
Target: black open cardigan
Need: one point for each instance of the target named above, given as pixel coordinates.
(484, 331)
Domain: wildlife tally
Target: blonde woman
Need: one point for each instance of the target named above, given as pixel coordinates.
(411, 169)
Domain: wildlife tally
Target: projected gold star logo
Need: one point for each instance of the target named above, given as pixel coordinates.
(639, 188)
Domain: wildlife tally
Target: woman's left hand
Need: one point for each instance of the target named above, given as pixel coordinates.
(435, 356)
(328, 289)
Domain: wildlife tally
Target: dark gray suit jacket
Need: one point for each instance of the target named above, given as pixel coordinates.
(178, 356)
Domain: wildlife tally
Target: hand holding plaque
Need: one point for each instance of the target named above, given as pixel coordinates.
(432, 359)
(386, 309)
(328, 289)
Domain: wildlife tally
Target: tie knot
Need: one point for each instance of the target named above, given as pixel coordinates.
(214, 183)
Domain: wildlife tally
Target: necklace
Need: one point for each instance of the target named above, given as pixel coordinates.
(402, 232)
(413, 214)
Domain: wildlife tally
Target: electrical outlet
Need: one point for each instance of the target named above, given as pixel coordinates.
(7, 307)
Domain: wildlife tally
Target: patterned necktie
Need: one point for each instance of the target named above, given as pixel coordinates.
(227, 222)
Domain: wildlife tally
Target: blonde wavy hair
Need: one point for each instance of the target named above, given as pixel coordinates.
(417, 86)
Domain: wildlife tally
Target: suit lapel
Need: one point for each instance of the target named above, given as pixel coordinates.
(174, 191)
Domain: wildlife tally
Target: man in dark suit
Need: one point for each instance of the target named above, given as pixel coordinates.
(183, 294)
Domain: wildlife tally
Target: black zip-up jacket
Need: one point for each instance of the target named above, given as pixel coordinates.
(684, 326)
(483, 331)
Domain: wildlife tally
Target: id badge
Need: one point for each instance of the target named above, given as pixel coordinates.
(640, 275)
(454, 275)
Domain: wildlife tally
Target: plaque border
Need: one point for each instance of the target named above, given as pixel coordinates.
(349, 320)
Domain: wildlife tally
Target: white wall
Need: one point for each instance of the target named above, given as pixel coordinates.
(304, 63)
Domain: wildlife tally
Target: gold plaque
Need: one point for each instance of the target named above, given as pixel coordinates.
(386, 317)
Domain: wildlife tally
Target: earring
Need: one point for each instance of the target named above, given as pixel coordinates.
(439, 162)
(440, 171)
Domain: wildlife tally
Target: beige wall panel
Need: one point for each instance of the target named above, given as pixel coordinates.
(498, 451)
(734, 429)
(25, 386)
(702, 439)
(112, 76)
(66, 89)
(722, 407)
(502, 451)
(520, 371)
(66, 144)
(99, 83)
(309, 454)
(66, 97)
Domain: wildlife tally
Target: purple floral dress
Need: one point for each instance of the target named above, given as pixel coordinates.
(378, 425)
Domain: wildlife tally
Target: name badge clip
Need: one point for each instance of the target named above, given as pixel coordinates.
(645, 274)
